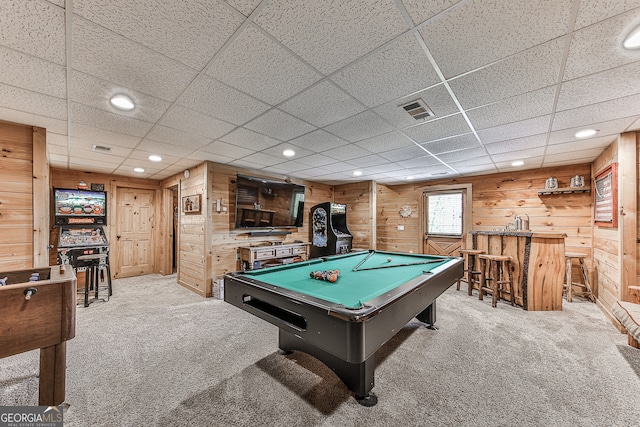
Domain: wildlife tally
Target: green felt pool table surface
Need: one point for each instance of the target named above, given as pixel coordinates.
(375, 275)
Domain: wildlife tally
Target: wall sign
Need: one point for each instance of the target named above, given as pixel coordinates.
(605, 197)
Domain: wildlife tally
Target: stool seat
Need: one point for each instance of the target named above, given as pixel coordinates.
(570, 284)
(496, 277)
(470, 269)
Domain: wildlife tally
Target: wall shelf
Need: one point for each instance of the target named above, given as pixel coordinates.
(565, 190)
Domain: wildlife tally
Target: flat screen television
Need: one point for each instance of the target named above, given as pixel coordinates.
(266, 203)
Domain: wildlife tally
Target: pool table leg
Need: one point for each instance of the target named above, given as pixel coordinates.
(358, 377)
(428, 316)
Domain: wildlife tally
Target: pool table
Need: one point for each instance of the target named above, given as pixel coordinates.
(343, 323)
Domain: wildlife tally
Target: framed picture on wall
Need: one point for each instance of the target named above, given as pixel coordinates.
(191, 204)
(605, 197)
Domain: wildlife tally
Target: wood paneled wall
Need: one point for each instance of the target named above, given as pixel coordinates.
(225, 239)
(497, 198)
(16, 197)
(361, 201)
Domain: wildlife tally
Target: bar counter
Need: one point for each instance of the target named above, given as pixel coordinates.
(538, 264)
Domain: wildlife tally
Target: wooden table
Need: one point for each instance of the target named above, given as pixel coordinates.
(538, 263)
(44, 319)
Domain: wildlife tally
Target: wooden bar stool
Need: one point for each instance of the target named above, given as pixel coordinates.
(585, 285)
(496, 277)
(470, 268)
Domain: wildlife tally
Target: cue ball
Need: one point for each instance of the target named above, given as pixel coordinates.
(389, 259)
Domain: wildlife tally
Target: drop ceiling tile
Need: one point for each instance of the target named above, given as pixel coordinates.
(532, 141)
(32, 73)
(249, 139)
(613, 127)
(96, 93)
(390, 73)
(32, 102)
(462, 155)
(331, 37)
(518, 155)
(144, 156)
(55, 139)
(438, 129)
(577, 156)
(189, 31)
(521, 107)
(260, 67)
(322, 105)
(162, 148)
(466, 168)
(476, 34)
(404, 154)
(553, 162)
(187, 120)
(362, 126)
(50, 124)
(383, 167)
(201, 156)
(592, 11)
(277, 150)
(462, 142)
(420, 11)
(209, 96)
(130, 65)
(419, 162)
(127, 170)
(347, 152)
(599, 46)
(318, 140)
(603, 111)
(280, 125)
(34, 27)
(526, 71)
(263, 159)
(600, 143)
(288, 167)
(244, 6)
(89, 158)
(228, 150)
(177, 137)
(317, 160)
(109, 121)
(531, 163)
(242, 163)
(437, 99)
(369, 161)
(87, 145)
(103, 137)
(386, 142)
(600, 87)
(635, 125)
(515, 130)
(79, 165)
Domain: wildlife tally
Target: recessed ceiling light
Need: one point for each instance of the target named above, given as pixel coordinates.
(632, 41)
(155, 158)
(288, 153)
(122, 102)
(517, 163)
(585, 133)
(408, 178)
(357, 173)
(138, 170)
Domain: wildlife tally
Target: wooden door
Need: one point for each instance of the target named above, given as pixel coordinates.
(444, 222)
(134, 232)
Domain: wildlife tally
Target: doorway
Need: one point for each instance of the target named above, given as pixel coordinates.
(446, 219)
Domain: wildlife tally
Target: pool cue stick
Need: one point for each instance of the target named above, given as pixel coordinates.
(362, 262)
(400, 265)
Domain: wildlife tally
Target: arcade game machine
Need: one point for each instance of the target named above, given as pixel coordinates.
(82, 243)
(329, 232)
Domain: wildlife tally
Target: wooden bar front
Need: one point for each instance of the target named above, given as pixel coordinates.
(46, 320)
(538, 264)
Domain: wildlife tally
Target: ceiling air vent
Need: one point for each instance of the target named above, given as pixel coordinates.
(418, 109)
(101, 148)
